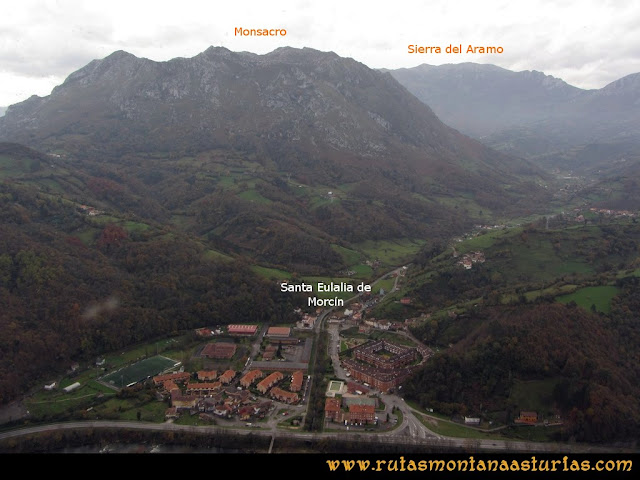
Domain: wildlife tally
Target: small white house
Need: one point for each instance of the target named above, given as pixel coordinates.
(50, 387)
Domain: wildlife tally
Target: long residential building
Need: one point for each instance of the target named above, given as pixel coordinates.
(269, 382)
(361, 414)
(296, 381)
(203, 388)
(180, 377)
(250, 377)
(283, 396)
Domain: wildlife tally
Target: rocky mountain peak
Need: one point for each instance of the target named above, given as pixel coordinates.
(628, 85)
(288, 104)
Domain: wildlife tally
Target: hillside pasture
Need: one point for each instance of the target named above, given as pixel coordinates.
(600, 297)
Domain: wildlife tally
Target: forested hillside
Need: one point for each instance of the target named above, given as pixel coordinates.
(73, 285)
(546, 322)
(588, 362)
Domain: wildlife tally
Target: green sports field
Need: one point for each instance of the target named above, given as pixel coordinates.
(139, 371)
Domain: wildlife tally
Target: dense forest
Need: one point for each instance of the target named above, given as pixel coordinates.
(595, 383)
(506, 331)
(65, 301)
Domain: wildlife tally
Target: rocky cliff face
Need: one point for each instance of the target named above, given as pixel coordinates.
(291, 102)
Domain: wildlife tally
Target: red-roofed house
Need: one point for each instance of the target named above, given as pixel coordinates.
(204, 332)
(269, 382)
(170, 386)
(332, 410)
(278, 332)
(269, 353)
(219, 350)
(361, 414)
(176, 377)
(183, 401)
(250, 377)
(242, 329)
(171, 413)
(227, 376)
(245, 413)
(223, 410)
(530, 418)
(203, 388)
(283, 396)
(207, 375)
(296, 381)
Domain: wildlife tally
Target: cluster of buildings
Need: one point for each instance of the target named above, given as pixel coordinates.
(468, 259)
(91, 211)
(614, 213)
(209, 393)
(579, 217)
(207, 332)
(370, 323)
(307, 321)
(372, 263)
(527, 418)
(351, 410)
(382, 364)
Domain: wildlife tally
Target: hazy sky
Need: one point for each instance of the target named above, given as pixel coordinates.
(587, 43)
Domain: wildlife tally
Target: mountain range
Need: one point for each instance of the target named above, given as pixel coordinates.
(264, 139)
(533, 115)
(289, 104)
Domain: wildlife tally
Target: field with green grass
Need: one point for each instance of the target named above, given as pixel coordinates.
(48, 404)
(533, 395)
(139, 371)
(391, 253)
(350, 257)
(539, 261)
(484, 240)
(587, 297)
(450, 429)
(385, 284)
(129, 408)
(254, 196)
(215, 256)
(271, 273)
(532, 295)
(12, 167)
(135, 227)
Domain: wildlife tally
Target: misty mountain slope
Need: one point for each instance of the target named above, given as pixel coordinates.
(530, 114)
(483, 99)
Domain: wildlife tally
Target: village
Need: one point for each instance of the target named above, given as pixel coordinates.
(275, 370)
(210, 395)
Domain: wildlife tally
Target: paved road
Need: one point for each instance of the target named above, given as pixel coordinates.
(445, 442)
